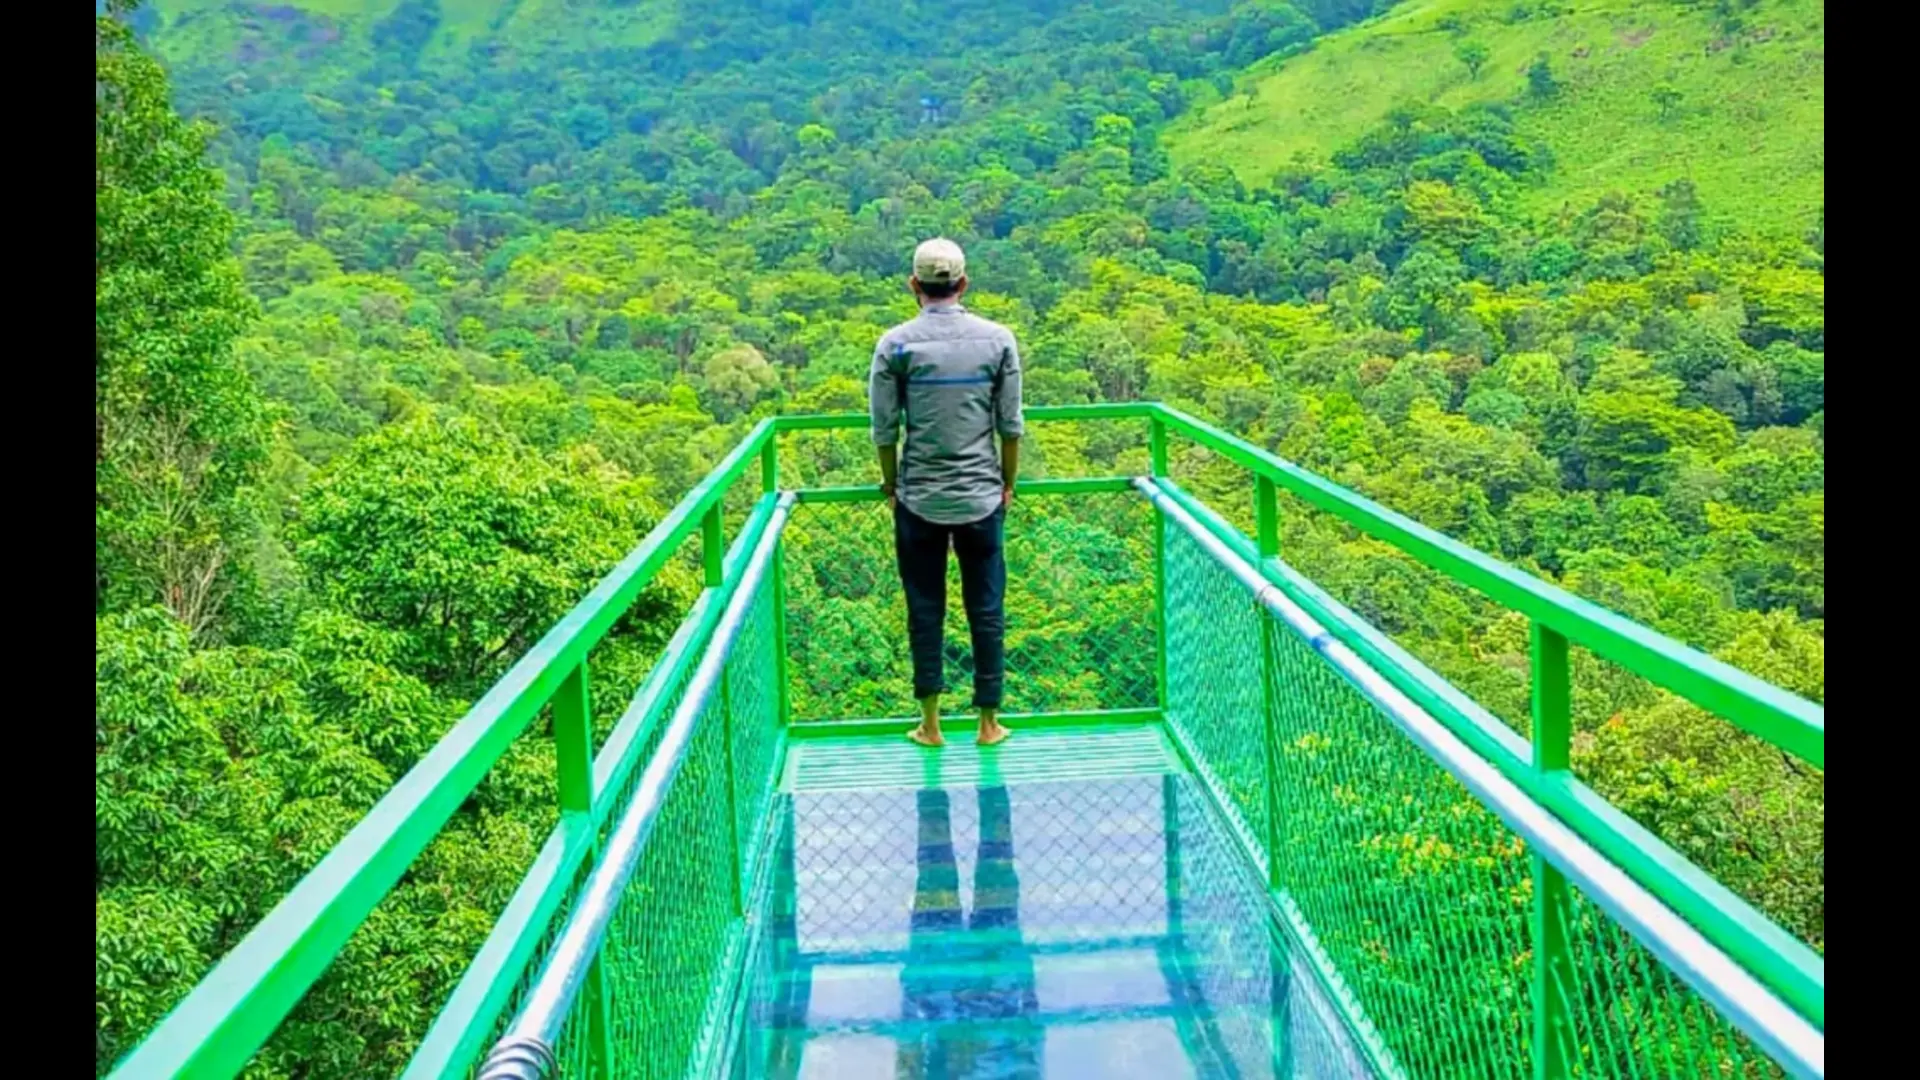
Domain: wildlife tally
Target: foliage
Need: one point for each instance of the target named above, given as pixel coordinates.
(463, 544)
(1474, 54)
(522, 280)
(1540, 81)
(178, 430)
(1650, 93)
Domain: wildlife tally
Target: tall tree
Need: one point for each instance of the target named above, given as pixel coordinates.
(178, 427)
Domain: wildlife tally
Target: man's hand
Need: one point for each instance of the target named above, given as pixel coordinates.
(887, 491)
(1006, 496)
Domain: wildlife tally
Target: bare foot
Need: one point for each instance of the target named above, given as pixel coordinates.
(993, 733)
(926, 738)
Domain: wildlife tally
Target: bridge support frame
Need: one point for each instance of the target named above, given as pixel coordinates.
(1552, 701)
(573, 747)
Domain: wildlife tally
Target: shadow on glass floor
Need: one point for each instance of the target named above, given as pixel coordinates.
(1099, 929)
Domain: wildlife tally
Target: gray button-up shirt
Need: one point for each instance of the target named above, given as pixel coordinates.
(952, 379)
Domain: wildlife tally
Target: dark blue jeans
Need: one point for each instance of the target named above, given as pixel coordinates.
(921, 547)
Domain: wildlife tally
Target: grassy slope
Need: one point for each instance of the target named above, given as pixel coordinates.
(1750, 129)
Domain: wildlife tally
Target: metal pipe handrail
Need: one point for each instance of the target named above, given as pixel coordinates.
(527, 1050)
(1755, 1010)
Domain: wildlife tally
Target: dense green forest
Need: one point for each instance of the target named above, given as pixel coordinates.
(412, 316)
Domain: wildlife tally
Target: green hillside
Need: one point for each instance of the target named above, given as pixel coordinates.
(1745, 119)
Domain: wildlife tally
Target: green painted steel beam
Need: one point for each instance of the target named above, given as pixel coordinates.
(1128, 410)
(1157, 461)
(713, 545)
(1036, 754)
(1788, 721)
(845, 494)
(889, 726)
(1086, 485)
(1551, 692)
(1776, 957)
(573, 741)
(820, 421)
(877, 951)
(1552, 699)
(782, 679)
(1266, 516)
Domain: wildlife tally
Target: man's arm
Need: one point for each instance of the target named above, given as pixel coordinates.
(1009, 419)
(1009, 465)
(883, 405)
(889, 470)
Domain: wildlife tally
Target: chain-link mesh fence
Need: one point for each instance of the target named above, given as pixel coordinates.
(1752, 817)
(656, 1009)
(1419, 897)
(1079, 610)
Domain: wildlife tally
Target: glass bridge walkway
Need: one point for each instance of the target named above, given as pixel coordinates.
(1239, 831)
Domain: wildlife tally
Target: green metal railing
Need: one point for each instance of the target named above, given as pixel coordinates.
(1433, 894)
(1475, 908)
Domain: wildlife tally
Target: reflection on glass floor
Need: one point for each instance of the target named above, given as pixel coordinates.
(1089, 928)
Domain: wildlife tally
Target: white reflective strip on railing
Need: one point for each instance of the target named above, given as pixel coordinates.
(526, 1051)
(1756, 1011)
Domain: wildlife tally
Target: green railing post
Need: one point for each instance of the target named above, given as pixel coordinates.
(781, 677)
(1552, 701)
(770, 465)
(573, 746)
(1266, 513)
(599, 1014)
(573, 741)
(770, 483)
(713, 550)
(713, 546)
(1552, 686)
(1157, 456)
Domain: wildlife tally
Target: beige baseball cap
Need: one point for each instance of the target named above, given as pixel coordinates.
(939, 262)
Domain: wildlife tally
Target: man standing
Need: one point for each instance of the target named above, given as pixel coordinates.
(952, 380)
